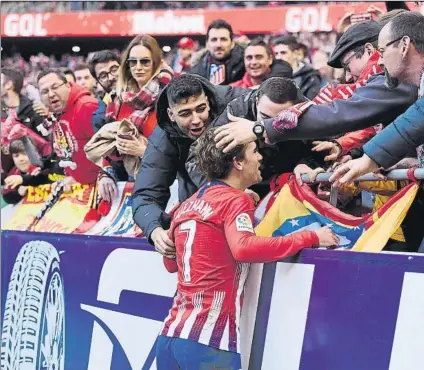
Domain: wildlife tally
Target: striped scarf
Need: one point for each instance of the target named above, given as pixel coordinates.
(142, 103)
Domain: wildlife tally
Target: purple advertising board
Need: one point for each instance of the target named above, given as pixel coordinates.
(91, 302)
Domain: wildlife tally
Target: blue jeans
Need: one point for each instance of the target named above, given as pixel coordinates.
(185, 354)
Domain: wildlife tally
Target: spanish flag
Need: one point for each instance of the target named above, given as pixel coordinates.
(297, 208)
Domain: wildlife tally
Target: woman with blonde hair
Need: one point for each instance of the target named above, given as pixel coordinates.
(141, 77)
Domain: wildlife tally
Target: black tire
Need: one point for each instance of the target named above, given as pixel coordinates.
(34, 276)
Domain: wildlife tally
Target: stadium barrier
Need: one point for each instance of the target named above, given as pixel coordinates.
(87, 302)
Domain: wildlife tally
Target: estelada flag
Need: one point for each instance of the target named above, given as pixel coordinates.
(297, 208)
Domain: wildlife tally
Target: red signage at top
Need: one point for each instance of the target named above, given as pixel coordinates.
(293, 18)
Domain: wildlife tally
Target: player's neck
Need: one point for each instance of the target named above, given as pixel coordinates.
(234, 183)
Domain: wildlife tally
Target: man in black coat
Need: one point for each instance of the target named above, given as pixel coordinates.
(184, 109)
(224, 61)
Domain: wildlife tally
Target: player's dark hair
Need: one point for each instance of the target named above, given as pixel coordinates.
(220, 23)
(102, 56)
(16, 77)
(181, 88)
(213, 162)
(57, 72)
(279, 90)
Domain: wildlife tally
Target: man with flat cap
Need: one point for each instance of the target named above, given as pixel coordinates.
(370, 102)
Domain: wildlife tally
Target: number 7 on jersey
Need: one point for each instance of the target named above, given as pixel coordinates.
(190, 228)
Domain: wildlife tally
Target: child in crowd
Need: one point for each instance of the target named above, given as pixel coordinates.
(23, 174)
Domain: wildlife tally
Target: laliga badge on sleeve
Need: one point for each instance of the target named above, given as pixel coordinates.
(244, 223)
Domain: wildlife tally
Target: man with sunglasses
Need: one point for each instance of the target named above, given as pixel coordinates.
(368, 105)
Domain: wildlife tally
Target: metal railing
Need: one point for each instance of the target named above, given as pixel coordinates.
(392, 175)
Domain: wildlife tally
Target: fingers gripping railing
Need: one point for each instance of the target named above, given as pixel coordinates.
(392, 175)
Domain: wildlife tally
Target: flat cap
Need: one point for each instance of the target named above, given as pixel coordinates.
(356, 35)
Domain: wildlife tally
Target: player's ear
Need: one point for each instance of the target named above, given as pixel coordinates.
(171, 115)
(238, 164)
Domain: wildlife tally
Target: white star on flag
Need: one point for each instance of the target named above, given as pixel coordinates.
(294, 223)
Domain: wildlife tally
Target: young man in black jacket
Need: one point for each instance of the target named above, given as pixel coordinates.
(184, 109)
(224, 61)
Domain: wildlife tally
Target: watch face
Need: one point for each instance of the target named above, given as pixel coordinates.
(258, 129)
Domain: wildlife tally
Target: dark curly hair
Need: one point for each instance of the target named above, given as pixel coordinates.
(213, 162)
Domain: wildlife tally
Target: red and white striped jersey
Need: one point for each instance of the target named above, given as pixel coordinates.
(217, 74)
(214, 239)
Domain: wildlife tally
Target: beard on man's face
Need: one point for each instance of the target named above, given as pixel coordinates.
(390, 82)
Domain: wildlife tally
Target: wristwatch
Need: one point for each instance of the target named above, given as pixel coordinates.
(259, 129)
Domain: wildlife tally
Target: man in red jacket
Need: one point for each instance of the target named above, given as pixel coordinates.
(72, 109)
(215, 242)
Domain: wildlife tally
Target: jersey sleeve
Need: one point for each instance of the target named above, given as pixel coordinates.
(247, 247)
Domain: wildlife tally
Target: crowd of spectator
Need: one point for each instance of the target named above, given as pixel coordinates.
(135, 115)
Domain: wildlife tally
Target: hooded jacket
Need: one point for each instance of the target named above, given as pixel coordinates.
(164, 161)
(234, 66)
(308, 80)
(72, 132)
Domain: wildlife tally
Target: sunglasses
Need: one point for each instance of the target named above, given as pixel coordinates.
(144, 62)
